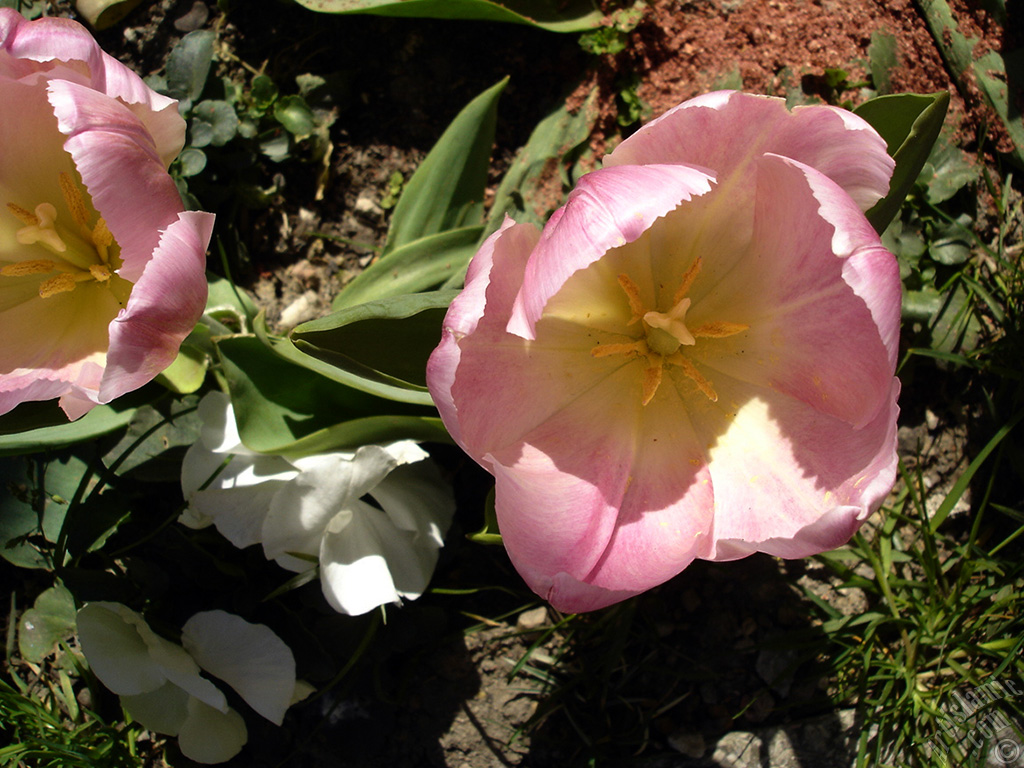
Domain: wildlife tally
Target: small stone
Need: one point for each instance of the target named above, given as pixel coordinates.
(300, 310)
(931, 419)
(196, 17)
(532, 619)
(366, 205)
(689, 744)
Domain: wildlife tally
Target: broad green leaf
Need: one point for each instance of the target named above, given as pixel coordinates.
(386, 340)
(192, 161)
(552, 15)
(33, 427)
(35, 502)
(225, 296)
(50, 620)
(155, 430)
(188, 371)
(447, 190)
(417, 266)
(188, 66)
(278, 403)
(373, 429)
(525, 191)
(910, 124)
(948, 169)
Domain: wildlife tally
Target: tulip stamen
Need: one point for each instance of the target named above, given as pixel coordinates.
(632, 349)
(687, 283)
(691, 372)
(719, 330)
(85, 255)
(30, 267)
(636, 304)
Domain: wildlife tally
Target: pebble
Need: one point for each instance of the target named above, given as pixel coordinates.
(300, 310)
(532, 619)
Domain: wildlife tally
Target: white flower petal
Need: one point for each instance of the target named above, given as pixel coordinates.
(418, 499)
(208, 736)
(163, 710)
(370, 562)
(116, 651)
(220, 431)
(250, 658)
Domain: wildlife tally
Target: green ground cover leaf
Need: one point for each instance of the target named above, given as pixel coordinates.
(50, 620)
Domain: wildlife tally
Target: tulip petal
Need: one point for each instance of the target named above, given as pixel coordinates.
(209, 736)
(121, 167)
(804, 304)
(728, 130)
(163, 308)
(251, 658)
(468, 307)
(115, 651)
(607, 209)
(47, 40)
(791, 480)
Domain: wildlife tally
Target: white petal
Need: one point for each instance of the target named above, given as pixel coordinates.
(220, 431)
(370, 562)
(208, 736)
(177, 666)
(250, 658)
(417, 499)
(115, 650)
(163, 710)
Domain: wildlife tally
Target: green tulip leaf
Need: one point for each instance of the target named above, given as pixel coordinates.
(50, 620)
(188, 371)
(552, 15)
(910, 123)
(523, 193)
(417, 266)
(278, 403)
(33, 427)
(447, 190)
(385, 340)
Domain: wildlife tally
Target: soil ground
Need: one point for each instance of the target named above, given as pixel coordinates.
(455, 694)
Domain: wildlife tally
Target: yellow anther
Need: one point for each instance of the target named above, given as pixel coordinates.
(30, 267)
(688, 278)
(75, 202)
(652, 378)
(691, 372)
(61, 283)
(100, 272)
(632, 349)
(719, 330)
(101, 235)
(27, 218)
(636, 304)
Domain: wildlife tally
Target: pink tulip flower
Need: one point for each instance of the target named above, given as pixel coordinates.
(102, 271)
(694, 359)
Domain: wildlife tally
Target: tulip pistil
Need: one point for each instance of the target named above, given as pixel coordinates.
(665, 335)
(82, 251)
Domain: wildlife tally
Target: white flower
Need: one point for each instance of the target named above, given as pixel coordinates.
(374, 518)
(160, 684)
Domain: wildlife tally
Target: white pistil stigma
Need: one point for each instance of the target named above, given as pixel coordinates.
(83, 250)
(665, 334)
